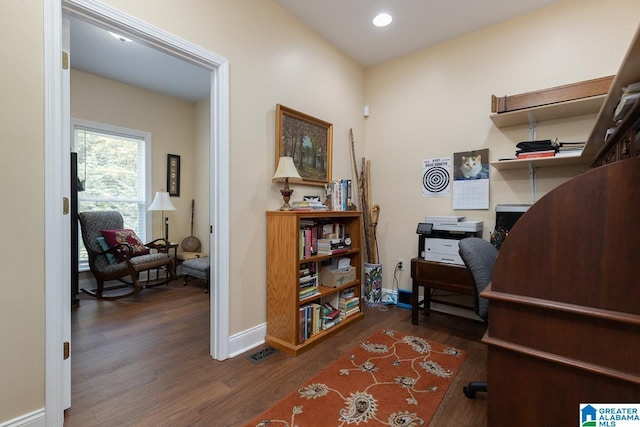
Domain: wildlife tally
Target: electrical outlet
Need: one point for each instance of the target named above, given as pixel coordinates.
(400, 263)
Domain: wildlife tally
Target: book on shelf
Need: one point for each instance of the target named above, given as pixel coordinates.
(308, 280)
(341, 194)
(352, 310)
(333, 251)
(330, 241)
(349, 304)
(536, 154)
(310, 321)
(309, 292)
(309, 205)
(302, 324)
(347, 293)
(569, 153)
(330, 315)
(308, 286)
(630, 95)
(570, 149)
(320, 237)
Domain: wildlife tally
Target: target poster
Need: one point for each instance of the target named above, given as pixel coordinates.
(471, 180)
(436, 177)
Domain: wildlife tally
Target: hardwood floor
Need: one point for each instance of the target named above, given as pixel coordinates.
(144, 361)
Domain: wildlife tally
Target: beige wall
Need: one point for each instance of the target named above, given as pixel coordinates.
(172, 123)
(275, 59)
(435, 102)
(22, 182)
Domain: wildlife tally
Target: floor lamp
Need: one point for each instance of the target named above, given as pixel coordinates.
(162, 202)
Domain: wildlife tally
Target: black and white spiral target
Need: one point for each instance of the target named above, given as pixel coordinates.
(436, 179)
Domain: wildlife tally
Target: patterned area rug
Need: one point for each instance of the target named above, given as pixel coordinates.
(391, 379)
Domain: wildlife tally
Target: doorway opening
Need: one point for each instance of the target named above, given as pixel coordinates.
(57, 172)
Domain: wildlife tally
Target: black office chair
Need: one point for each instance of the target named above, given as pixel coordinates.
(479, 256)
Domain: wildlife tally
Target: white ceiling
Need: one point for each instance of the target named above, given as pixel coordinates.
(416, 23)
(95, 51)
(344, 23)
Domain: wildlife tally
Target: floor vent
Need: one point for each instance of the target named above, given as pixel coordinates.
(261, 355)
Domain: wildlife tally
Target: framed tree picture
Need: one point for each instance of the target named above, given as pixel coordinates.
(309, 141)
(173, 175)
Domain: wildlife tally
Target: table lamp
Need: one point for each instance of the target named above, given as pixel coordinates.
(286, 172)
(162, 202)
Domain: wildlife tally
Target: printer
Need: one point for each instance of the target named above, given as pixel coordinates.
(439, 236)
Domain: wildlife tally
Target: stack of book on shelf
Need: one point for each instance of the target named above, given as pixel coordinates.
(339, 192)
(330, 316)
(312, 230)
(348, 303)
(331, 246)
(630, 95)
(308, 286)
(536, 149)
(309, 205)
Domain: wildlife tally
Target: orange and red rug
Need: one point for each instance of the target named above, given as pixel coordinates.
(391, 379)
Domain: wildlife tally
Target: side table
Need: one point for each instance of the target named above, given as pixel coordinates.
(436, 275)
(167, 249)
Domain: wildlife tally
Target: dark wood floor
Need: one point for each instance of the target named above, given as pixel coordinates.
(144, 361)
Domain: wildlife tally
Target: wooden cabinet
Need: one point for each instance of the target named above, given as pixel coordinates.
(286, 259)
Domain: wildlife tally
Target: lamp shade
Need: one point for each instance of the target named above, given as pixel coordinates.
(286, 169)
(162, 202)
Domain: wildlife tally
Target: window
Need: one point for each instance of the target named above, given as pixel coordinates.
(114, 173)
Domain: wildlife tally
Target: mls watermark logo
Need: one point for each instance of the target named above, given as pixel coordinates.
(610, 414)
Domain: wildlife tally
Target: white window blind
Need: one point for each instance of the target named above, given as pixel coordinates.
(112, 169)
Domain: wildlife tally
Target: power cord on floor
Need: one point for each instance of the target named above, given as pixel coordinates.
(391, 298)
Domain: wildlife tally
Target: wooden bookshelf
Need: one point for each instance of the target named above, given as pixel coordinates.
(284, 262)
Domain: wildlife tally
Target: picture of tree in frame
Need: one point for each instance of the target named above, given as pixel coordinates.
(309, 141)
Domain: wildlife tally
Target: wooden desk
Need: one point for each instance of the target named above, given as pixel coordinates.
(436, 275)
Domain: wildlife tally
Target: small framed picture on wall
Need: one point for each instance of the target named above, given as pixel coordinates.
(173, 175)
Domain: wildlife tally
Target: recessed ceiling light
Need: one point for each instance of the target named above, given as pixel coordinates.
(123, 39)
(382, 20)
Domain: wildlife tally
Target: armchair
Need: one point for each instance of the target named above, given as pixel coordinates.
(479, 256)
(116, 262)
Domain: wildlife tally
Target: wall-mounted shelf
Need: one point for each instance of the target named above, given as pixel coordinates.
(541, 162)
(559, 110)
(534, 115)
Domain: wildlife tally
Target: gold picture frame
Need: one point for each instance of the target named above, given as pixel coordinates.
(306, 139)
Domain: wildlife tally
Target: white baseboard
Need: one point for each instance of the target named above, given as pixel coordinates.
(32, 419)
(246, 340)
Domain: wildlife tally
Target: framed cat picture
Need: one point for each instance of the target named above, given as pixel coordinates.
(471, 165)
(471, 179)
